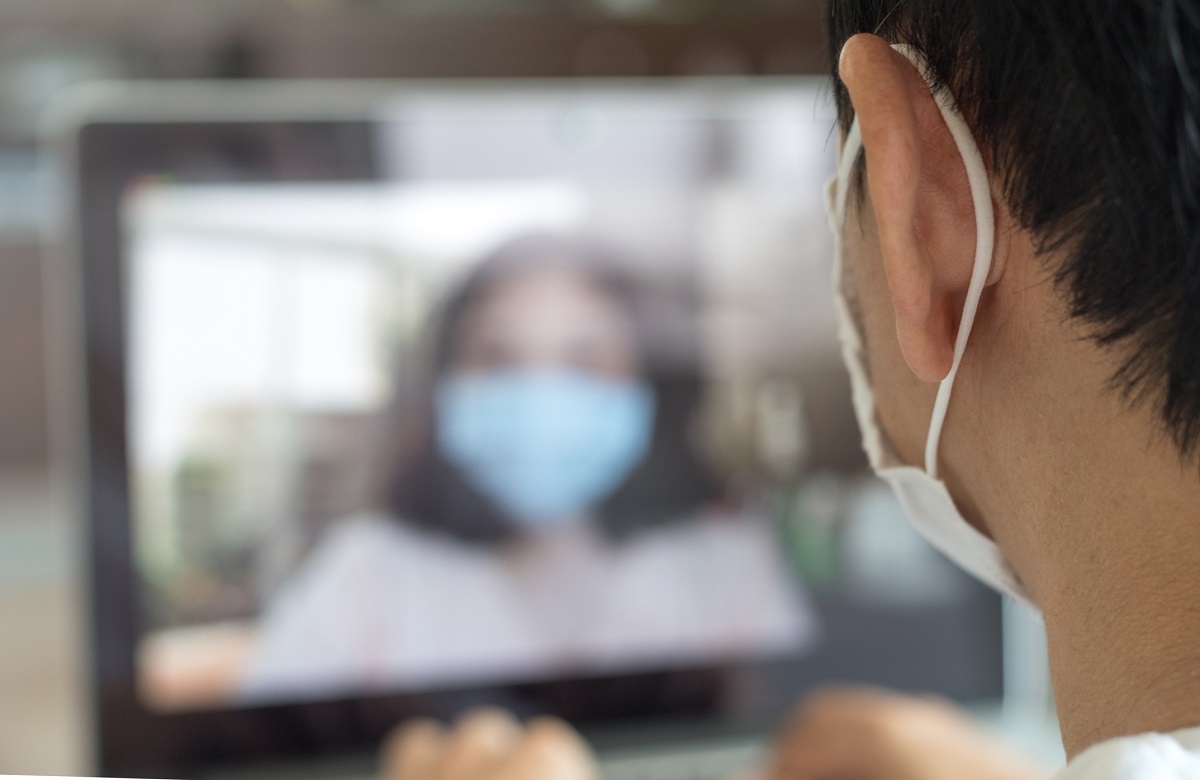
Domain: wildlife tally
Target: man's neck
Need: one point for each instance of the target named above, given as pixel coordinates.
(1120, 589)
(1093, 506)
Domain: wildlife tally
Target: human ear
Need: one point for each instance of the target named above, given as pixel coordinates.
(921, 196)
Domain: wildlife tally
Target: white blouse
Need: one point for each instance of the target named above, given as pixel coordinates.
(380, 605)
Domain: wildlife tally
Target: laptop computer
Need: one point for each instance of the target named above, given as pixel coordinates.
(402, 399)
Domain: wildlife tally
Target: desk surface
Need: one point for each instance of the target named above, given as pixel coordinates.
(42, 703)
(41, 682)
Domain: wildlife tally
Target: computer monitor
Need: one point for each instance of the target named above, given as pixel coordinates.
(403, 399)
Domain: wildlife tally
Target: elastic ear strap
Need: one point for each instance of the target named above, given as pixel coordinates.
(851, 337)
(851, 148)
(985, 226)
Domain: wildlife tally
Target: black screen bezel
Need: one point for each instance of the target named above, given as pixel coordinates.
(131, 740)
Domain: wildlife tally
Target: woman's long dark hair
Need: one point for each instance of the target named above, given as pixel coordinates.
(420, 487)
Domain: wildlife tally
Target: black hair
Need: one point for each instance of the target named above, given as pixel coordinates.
(420, 487)
(1090, 113)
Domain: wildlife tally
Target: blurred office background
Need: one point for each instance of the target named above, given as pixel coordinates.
(47, 46)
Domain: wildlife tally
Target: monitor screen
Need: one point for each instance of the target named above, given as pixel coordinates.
(558, 395)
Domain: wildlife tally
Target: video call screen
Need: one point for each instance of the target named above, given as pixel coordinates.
(558, 396)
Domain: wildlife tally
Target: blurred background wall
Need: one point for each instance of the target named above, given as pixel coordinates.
(46, 45)
(49, 45)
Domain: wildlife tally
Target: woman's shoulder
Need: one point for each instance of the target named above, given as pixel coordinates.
(323, 618)
(363, 531)
(377, 539)
(714, 538)
(369, 537)
(716, 527)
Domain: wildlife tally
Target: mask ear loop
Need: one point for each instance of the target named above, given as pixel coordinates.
(985, 226)
(850, 337)
(851, 149)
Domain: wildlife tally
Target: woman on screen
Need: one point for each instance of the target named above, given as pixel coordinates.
(543, 510)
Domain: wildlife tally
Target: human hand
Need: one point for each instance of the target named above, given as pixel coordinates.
(487, 745)
(869, 734)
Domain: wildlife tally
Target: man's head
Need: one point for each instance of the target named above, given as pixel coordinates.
(1084, 366)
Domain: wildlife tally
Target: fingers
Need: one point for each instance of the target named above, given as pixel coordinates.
(487, 745)
(817, 741)
(412, 751)
(847, 732)
(876, 735)
(482, 741)
(550, 749)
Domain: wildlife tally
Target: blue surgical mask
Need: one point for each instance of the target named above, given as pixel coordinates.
(545, 445)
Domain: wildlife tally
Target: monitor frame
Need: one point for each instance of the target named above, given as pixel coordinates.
(115, 135)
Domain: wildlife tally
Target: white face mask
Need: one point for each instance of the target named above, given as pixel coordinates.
(924, 497)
